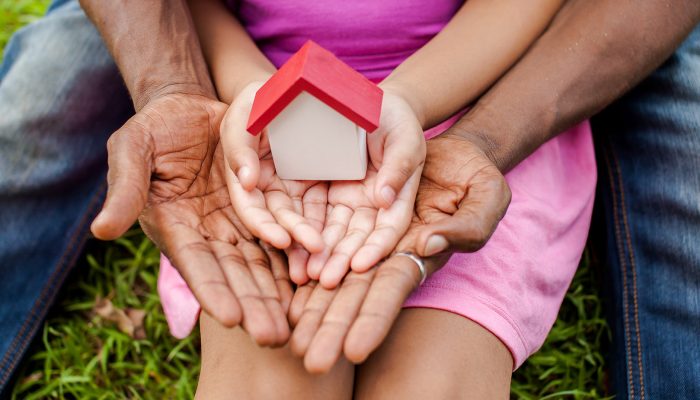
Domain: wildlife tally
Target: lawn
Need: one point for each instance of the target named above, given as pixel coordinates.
(106, 338)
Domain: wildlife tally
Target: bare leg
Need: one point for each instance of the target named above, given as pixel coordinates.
(234, 367)
(433, 354)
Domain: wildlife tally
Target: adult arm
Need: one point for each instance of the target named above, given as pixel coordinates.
(154, 45)
(594, 52)
(166, 168)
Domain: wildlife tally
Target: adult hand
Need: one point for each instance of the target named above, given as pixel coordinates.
(461, 198)
(166, 168)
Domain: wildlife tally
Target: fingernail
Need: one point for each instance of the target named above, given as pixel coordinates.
(388, 194)
(435, 244)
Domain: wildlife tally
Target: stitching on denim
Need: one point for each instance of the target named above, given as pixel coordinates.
(22, 338)
(633, 271)
(623, 269)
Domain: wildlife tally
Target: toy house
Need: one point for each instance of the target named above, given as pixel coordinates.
(317, 112)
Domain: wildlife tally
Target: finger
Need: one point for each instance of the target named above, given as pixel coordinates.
(403, 156)
(391, 225)
(475, 220)
(337, 266)
(313, 207)
(251, 208)
(298, 257)
(301, 297)
(257, 320)
(241, 149)
(327, 344)
(259, 266)
(130, 160)
(310, 319)
(395, 279)
(279, 269)
(199, 267)
(282, 208)
(337, 224)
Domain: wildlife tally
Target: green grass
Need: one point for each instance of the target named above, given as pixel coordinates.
(80, 354)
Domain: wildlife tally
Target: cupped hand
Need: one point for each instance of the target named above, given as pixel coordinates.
(363, 217)
(357, 232)
(461, 198)
(289, 214)
(166, 167)
(366, 219)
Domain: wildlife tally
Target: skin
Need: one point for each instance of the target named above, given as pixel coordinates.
(353, 208)
(550, 89)
(166, 168)
(592, 54)
(396, 149)
(528, 108)
(352, 320)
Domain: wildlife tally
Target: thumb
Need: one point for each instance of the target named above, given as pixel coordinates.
(401, 159)
(472, 225)
(241, 149)
(130, 160)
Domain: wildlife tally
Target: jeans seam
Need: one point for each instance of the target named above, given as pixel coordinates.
(21, 339)
(633, 270)
(615, 176)
(623, 268)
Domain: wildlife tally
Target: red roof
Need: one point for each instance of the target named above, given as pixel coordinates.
(317, 71)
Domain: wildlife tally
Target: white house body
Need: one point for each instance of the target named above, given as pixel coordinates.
(312, 141)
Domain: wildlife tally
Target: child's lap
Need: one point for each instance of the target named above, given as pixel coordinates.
(514, 285)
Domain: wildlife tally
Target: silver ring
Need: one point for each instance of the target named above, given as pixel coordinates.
(419, 262)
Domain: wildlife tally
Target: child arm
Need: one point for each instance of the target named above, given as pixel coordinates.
(481, 42)
(233, 58)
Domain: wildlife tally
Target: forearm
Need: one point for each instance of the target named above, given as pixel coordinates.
(480, 43)
(154, 45)
(593, 53)
(234, 59)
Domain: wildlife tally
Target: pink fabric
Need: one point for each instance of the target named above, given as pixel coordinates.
(369, 35)
(180, 306)
(515, 284)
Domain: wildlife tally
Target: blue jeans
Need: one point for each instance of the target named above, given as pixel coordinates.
(649, 185)
(61, 97)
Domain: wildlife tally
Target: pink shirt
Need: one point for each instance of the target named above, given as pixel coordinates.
(514, 286)
(372, 36)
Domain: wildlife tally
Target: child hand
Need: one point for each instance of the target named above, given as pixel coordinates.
(366, 219)
(274, 210)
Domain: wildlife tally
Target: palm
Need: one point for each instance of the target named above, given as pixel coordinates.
(188, 212)
(357, 232)
(457, 178)
(277, 208)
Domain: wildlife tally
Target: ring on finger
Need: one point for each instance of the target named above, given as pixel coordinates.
(419, 263)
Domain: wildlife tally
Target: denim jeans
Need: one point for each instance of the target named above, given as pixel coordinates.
(61, 97)
(648, 143)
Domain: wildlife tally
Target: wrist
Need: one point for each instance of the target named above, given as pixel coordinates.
(148, 91)
(392, 87)
(491, 132)
(155, 46)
